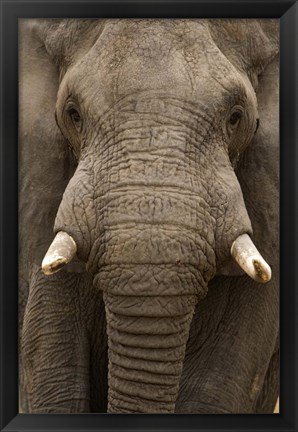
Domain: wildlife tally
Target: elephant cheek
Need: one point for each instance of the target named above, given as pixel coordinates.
(147, 338)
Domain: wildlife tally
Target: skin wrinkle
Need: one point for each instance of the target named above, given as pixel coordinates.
(106, 227)
(146, 377)
(153, 120)
(174, 190)
(129, 138)
(100, 279)
(162, 367)
(156, 393)
(197, 109)
(134, 354)
(77, 219)
(152, 342)
(123, 305)
(133, 406)
(148, 306)
(139, 394)
(169, 293)
(129, 326)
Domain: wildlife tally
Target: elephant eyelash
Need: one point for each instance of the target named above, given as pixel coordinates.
(56, 120)
(257, 125)
(73, 151)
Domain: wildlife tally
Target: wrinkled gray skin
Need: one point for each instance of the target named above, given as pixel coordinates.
(158, 179)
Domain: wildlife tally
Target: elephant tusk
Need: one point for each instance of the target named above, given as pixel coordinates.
(62, 250)
(250, 260)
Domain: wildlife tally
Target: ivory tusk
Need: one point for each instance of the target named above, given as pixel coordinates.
(249, 259)
(61, 252)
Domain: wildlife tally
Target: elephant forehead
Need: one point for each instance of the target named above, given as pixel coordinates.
(150, 38)
(174, 57)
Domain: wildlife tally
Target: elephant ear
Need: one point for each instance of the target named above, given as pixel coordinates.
(67, 40)
(45, 161)
(258, 169)
(250, 45)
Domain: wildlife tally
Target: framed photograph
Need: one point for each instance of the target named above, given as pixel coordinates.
(148, 217)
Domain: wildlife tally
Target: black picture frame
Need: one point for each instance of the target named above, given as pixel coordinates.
(11, 11)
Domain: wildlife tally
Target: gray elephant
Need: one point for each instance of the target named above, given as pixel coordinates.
(149, 161)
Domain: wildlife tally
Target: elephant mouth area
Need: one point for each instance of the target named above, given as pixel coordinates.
(150, 280)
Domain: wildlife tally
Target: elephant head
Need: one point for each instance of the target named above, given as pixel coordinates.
(157, 114)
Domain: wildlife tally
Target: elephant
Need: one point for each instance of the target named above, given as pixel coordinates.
(149, 215)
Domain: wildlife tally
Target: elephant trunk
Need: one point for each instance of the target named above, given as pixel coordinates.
(147, 339)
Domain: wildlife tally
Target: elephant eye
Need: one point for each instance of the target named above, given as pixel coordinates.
(235, 117)
(75, 116)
